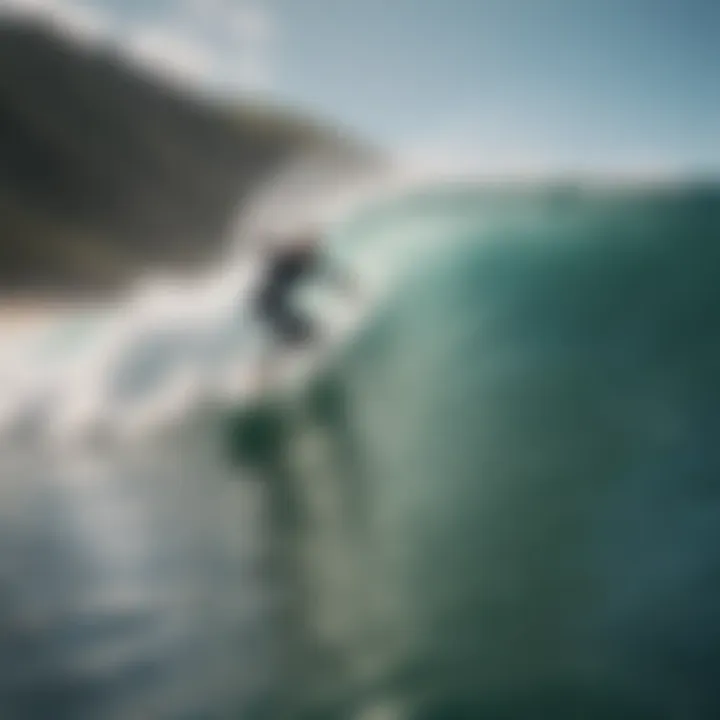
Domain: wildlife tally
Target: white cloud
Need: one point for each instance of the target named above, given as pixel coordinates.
(244, 36)
(243, 18)
(170, 52)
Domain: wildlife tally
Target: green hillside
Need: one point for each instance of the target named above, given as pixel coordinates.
(104, 171)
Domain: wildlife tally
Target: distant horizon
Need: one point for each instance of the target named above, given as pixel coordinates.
(542, 88)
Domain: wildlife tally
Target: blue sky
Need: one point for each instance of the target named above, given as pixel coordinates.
(524, 84)
(550, 82)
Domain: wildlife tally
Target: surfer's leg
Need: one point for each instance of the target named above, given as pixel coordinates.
(286, 331)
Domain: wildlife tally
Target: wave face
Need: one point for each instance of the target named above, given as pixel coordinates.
(498, 499)
(510, 480)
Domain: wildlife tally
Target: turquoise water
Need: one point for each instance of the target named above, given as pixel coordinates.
(521, 455)
(499, 500)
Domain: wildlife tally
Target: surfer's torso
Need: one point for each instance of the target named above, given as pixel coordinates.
(286, 272)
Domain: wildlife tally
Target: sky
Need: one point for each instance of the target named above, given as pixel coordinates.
(486, 85)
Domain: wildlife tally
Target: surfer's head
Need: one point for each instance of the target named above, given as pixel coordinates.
(307, 239)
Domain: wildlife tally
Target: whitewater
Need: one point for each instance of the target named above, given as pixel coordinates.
(174, 343)
(139, 563)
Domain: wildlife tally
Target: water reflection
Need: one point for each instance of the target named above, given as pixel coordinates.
(131, 587)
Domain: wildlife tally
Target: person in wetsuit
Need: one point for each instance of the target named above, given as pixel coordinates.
(288, 267)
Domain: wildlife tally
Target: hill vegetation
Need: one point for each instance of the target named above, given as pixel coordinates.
(104, 171)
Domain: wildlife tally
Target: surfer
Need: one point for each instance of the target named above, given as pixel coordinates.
(288, 266)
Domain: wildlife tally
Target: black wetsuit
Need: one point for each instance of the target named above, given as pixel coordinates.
(287, 270)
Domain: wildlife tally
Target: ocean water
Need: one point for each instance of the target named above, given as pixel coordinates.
(497, 498)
